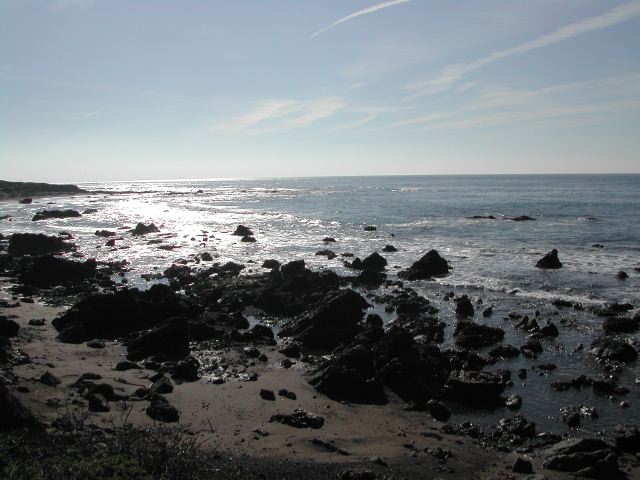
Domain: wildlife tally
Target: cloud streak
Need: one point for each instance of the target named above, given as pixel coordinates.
(359, 13)
(452, 74)
(278, 115)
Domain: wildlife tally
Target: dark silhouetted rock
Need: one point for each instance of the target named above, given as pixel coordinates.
(142, 229)
(504, 351)
(550, 261)
(389, 249)
(49, 270)
(343, 383)
(438, 410)
(374, 262)
(48, 214)
(522, 466)
(464, 307)
(627, 438)
(271, 264)
(159, 409)
(26, 201)
(248, 239)
(333, 322)
(49, 379)
(370, 228)
(326, 253)
(328, 240)
(293, 268)
(607, 348)
(622, 275)
(13, 414)
(105, 233)
(621, 324)
(430, 265)
(98, 403)
(36, 244)
(8, 327)
(474, 388)
(169, 339)
(299, 419)
(513, 402)
(522, 218)
(472, 336)
(242, 231)
(268, 395)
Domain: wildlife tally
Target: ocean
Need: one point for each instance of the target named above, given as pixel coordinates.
(593, 221)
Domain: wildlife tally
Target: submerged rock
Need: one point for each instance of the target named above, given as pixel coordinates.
(550, 261)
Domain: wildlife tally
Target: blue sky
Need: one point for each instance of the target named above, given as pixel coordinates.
(147, 89)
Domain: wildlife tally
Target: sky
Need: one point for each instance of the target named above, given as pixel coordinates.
(99, 90)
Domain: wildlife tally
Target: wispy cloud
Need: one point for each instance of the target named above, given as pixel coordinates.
(278, 115)
(364, 11)
(452, 74)
(568, 104)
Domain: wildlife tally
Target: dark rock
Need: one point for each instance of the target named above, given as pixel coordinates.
(290, 350)
(206, 257)
(464, 307)
(13, 414)
(242, 231)
(248, 239)
(37, 322)
(271, 264)
(481, 217)
(36, 244)
(49, 270)
(96, 343)
(532, 345)
(293, 268)
(126, 365)
(549, 330)
(550, 261)
(262, 334)
(185, 370)
(622, 275)
(49, 379)
(105, 233)
(487, 312)
(170, 339)
(89, 211)
(438, 410)
(142, 229)
(327, 253)
(358, 474)
(343, 383)
(473, 336)
(476, 389)
(621, 324)
(299, 419)
(26, 201)
(267, 395)
(627, 438)
(370, 278)
(430, 265)
(98, 403)
(514, 402)
(110, 243)
(504, 351)
(8, 327)
(521, 218)
(159, 409)
(522, 466)
(328, 240)
(331, 323)
(283, 392)
(389, 249)
(370, 228)
(161, 386)
(607, 348)
(374, 262)
(47, 214)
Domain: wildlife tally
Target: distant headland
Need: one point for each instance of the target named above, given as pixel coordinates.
(33, 189)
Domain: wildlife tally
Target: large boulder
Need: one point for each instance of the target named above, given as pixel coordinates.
(170, 339)
(333, 322)
(475, 388)
(48, 270)
(36, 244)
(13, 414)
(111, 316)
(343, 383)
(8, 327)
(47, 214)
(242, 231)
(430, 265)
(607, 348)
(374, 262)
(142, 229)
(550, 261)
(472, 336)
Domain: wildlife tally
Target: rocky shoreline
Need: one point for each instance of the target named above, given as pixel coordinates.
(299, 353)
